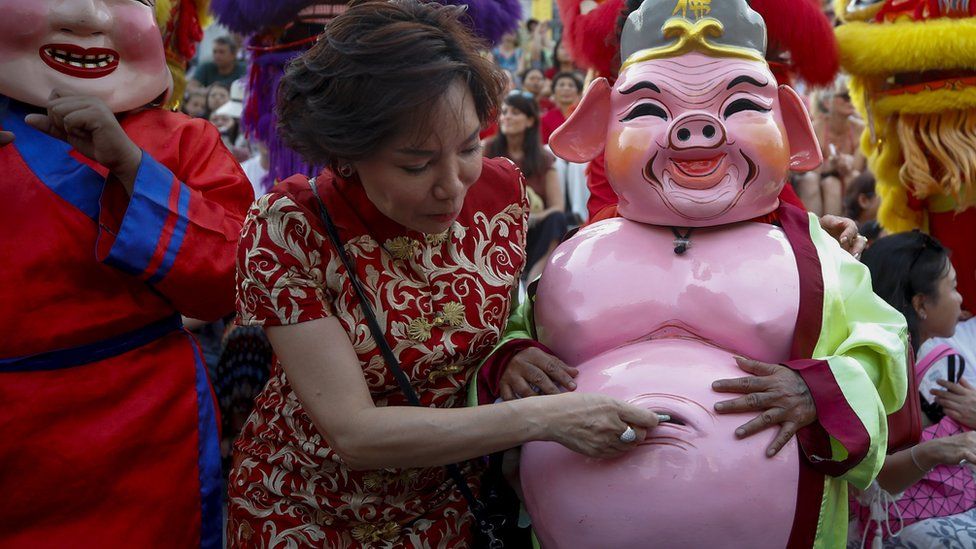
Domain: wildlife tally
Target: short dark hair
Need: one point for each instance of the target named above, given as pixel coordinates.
(904, 265)
(227, 41)
(380, 67)
(863, 184)
(531, 69)
(570, 75)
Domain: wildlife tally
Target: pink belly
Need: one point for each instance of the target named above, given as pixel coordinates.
(617, 282)
(686, 486)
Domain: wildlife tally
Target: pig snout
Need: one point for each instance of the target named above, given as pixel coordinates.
(696, 131)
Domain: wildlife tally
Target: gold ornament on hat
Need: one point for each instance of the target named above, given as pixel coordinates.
(693, 36)
(698, 8)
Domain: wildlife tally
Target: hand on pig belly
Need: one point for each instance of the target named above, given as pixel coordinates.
(692, 482)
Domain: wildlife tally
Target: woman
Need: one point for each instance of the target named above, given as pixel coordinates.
(839, 132)
(534, 82)
(912, 272)
(567, 89)
(518, 140)
(862, 202)
(391, 97)
(217, 95)
(562, 61)
(508, 55)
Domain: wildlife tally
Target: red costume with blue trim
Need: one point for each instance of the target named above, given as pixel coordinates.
(108, 420)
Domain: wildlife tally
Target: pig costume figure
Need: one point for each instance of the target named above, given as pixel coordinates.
(705, 263)
(118, 216)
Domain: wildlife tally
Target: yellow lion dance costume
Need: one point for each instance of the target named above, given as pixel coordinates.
(913, 67)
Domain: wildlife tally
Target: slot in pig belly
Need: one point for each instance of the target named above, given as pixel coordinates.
(689, 486)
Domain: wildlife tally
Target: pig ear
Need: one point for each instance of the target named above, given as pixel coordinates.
(582, 137)
(805, 154)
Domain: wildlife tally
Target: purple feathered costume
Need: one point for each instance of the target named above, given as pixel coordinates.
(257, 19)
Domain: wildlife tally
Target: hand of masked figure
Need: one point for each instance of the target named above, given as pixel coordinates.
(844, 231)
(87, 124)
(778, 393)
(534, 371)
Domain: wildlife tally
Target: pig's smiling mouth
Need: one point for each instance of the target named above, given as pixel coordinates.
(706, 190)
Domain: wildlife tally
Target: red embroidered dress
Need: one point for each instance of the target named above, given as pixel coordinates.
(443, 301)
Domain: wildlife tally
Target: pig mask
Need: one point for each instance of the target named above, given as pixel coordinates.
(110, 49)
(696, 131)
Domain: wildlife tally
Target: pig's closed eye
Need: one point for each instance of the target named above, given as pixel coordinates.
(740, 105)
(646, 109)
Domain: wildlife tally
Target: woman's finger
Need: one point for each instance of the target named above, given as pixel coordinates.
(637, 417)
(506, 392)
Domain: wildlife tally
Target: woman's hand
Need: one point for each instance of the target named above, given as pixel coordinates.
(958, 400)
(533, 371)
(951, 450)
(88, 125)
(592, 424)
(780, 394)
(6, 138)
(844, 230)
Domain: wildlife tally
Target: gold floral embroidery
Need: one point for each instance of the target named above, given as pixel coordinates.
(402, 247)
(419, 329)
(439, 238)
(373, 533)
(451, 314)
(444, 371)
(377, 480)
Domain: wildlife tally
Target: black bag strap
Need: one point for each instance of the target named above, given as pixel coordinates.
(391, 361)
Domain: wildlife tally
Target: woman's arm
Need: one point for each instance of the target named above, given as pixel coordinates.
(901, 470)
(326, 375)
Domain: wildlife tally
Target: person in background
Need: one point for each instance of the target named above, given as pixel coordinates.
(256, 169)
(195, 104)
(861, 202)
(224, 68)
(562, 61)
(931, 485)
(227, 118)
(567, 89)
(217, 95)
(839, 132)
(534, 81)
(518, 140)
(508, 55)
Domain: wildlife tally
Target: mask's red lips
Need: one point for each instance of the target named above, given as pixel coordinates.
(80, 62)
(703, 167)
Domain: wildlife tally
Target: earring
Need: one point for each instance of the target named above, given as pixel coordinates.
(922, 315)
(346, 170)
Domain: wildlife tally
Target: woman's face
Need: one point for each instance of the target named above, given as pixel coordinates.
(562, 55)
(513, 121)
(566, 92)
(421, 182)
(195, 106)
(942, 310)
(223, 122)
(216, 97)
(841, 103)
(533, 82)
